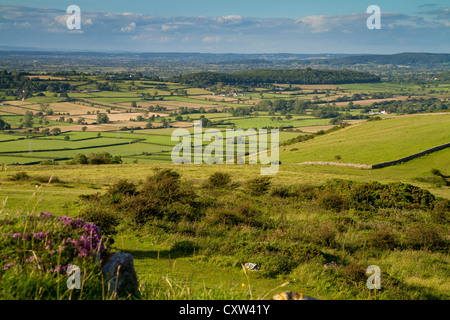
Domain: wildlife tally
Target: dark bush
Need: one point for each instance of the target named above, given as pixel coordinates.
(20, 176)
(331, 200)
(355, 273)
(258, 186)
(184, 247)
(440, 211)
(382, 239)
(123, 188)
(426, 237)
(218, 180)
(239, 214)
(51, 179)
(282, 192)
(166, 186)
(305, 192)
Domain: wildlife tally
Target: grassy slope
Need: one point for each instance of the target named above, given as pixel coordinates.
(215, 280)
(373, 142)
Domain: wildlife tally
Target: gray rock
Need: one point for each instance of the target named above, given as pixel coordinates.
(252, 266)
(330, 265)
(121, 281)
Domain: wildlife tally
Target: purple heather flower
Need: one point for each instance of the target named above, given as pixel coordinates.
(16, 235)
(46, 214)
(10, 264)
(29, 259)
(38, 235)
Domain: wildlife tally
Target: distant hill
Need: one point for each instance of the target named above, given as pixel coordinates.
(411, 59)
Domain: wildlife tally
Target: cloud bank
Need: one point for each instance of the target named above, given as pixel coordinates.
(32, 27)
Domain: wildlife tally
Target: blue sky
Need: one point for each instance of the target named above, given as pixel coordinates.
(244, 26)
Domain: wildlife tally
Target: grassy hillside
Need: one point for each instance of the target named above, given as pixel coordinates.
(199, 257)
(373, 142)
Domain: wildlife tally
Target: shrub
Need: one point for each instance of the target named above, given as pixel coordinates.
(354, 273)
(305, 192)
(219, 180)
(425, 237)
(49, 163)
(46, 179)
(184, 247)
(282, 192)
(331, 200)
(20, 176)
(239, 214)
(258, 186)
(164, 185)
(122, 188)
(382, 239)
(104, 158)
(440, 210)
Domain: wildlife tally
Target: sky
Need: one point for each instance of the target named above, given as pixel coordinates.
(232, 26)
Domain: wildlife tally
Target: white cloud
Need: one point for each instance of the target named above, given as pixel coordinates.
(168, 27)
(129, 28)
(211, 39)
(317, 24)
(232, 19)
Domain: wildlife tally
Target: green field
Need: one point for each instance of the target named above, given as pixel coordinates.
(373, 142)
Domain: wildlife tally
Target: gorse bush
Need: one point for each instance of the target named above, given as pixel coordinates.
(258, 186)
(218, 180)
(38, 250)
(20, 176)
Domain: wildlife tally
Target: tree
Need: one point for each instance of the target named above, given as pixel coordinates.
(45, 131)
(28, 119)
(84, 128)
(102, 118)
(56, 131)
(80, 159)
(4, 125)
(133, 104)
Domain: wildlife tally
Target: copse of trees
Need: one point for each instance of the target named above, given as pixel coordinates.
(258, 77)
(96, 158)
(4, 125)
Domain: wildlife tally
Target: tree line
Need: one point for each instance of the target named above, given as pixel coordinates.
(258, 77)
